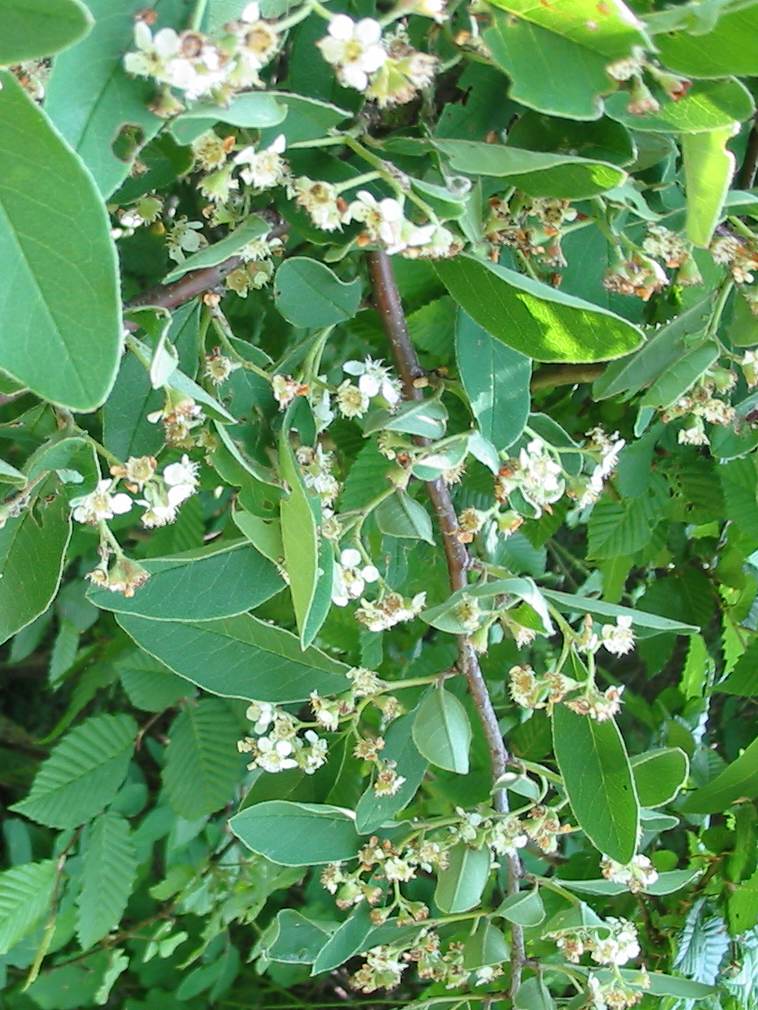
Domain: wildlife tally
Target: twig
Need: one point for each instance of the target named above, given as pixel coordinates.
(565, 375)
(389, 305)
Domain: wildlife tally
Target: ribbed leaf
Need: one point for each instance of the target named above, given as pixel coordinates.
(110, 865)
(25, 893)
(202, 762)
(83, 773)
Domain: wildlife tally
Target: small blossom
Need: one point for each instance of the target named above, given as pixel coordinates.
(598, 705)
(125, 576)
(618, 638)
(261, 714)
(285, 389)
(274, 755)
(210, 150)
(327, 712)
(636, 875)
(181, 480)
(354, 48)
(349, 578)
(218, 367)
(264, 169)
(389, 610)
(351, 400)
(184, 237)
(101, 504)
(388, 782)
(621, 946)
(320, 201)
(375, 379)
(365, 682)
(136, 472)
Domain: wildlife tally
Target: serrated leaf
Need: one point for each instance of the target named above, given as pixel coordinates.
(619, 528)
(25, 893)
(743, 680)
(83, 773)
(202, 762)
(109, 870)
(148, 683)
(534, 318)
(442, 731)
(297, 834)
(60, 310)
(598, 779)
(240, 657)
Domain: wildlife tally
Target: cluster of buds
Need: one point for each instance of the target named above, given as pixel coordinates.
(218, 367)
(435, 964)
(637, 275)
(607, 447)
(533, 227)
(375, 380)
(281, 742)
(198, 66)
(532, 692)
(536, 474)
(613, 943)
(124, 576)
(675, 254)
(257, 267)
(390, 609)
(180, 415)
(616, 994)
(505, 834)
(635, 875)
(739, 255)
(702, 404)
(316, 467)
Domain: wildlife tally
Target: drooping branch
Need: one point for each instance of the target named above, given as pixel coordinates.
(389, 306)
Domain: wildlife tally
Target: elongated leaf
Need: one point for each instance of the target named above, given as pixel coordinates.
(110, 866)
(556, 54)
(239, 657)
(680, 376)
(726, 49)
(83, 773)
(667, 883)
(708, 170)
(252, 228)
(402, 517)
(599, 784)
(537, 173)
(496, 379)
(571, 603)
(297, 834)
(253, 109)
(487, 945)
(659, 775)
(300, 540)
(372, 810)
(442, 731)
(461, 883)
(90, 97)
(202, 763)
(60, 311)
(738, 781)
(309, 294)
(221, 580)
(32, 553)
(534, 318)
(35, 28)
(296, 940)
(346, 941)
(708, 105)
(25, 893)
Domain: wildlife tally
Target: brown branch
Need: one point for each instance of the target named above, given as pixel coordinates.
(566, 375)
(388, 303)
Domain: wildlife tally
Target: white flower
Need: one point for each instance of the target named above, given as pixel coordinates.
(100, 504)
(395, 868)
(261, 714)
(374, 379)
(694, 434)
(351, 400)
(264, 169)
(636, 875)
(157, 513)
(311, 752)
(275, 755)
(350, 579)
(618, 639)
(383, 219)
(153, 52)
(618, 948)
(321, 406)
(184, 237)
(354, 48)
(181, 479)
(320, 201)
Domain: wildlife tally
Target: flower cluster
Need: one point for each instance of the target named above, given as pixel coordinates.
(536, 474)
(637, 275)
(197, 66)
(317, 469)
(676, 254)
(739, 255)
(350, 577)
(374, 380)
(613, 943)
(616, 994)
(505, 834)
(702, 405)
(532, 692)
(180, 416)
(280, 744)
(384, 965)
(533, 227)
(608, 447)
(636, 875)
(390, 609)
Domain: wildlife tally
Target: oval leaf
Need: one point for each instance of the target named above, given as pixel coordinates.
(297, 834)
(442, 731)
(309, 294)
(659, 775)
(461, 883)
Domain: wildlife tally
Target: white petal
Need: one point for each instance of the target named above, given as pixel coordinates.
(370, 574)
(143, 37)
(356, 587)
(368, 31)
(392, 210)
(354, 367)
(354, 77)
(251, 12)
(279, 145)
(166, 43)
(373, 58)
(369, 385)
(179, 493)
(332, 49)
(350, 557)
(120, 504)
(341, 27)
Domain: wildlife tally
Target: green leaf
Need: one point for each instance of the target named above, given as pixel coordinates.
(202, 762)
(680, 376)
(252, 110)
(240, 657)
(536, 173)
(667, 883)
(36, 28)
(307, 118)
(402, 517)
(296, 940)
(533, 994)
(346, 941)
(616, 529)
(309, 294)
(659, 775)
(738, 781)
(149, 684)
(251, 228)
(726, 49)
(708, 170)
(89, 96)
(598, 779)
(108, 873)
(743, 680)
(525, 908)
(533, 317)
(83, 773)
(658, 984)
(496, 379)
(461, 884)
(373, 811)
(708, 105)
(487, 945)
(442, 731)
(297, 834)
(60, 310)
(445, 618)
(222, 579)
(264, 534)
(32, 553)
(569, 603)
(25, 893)
(425, 418)
(556, 54)
(743, 906)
